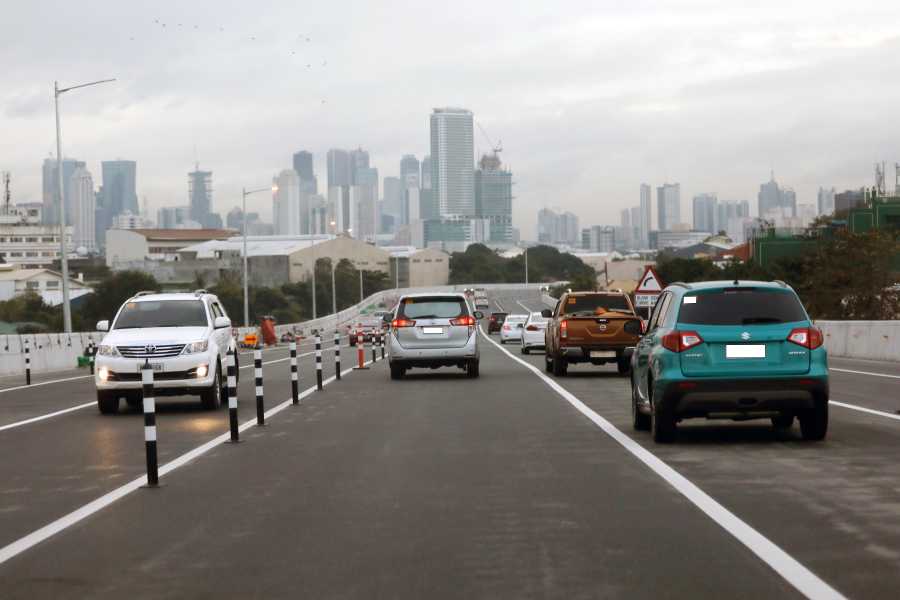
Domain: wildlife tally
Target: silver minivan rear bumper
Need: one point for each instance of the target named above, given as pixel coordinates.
(400, 354)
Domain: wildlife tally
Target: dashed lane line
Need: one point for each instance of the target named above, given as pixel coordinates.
(870, 411)
(870, 373)
(47, 531)
(789, 568)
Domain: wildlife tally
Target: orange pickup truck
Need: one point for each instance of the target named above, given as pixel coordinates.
(594, 327)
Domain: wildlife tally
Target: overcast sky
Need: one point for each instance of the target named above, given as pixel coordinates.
(589, 98)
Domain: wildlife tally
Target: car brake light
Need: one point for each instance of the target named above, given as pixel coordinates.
(808, 337)
(396, 323)
(563, 329)
(679, 341)
(532, 328)
(465, 321)
(505, 327)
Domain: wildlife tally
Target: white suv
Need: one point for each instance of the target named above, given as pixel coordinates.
(184, 336)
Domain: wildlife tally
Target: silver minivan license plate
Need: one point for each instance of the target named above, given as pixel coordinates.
(433, 330)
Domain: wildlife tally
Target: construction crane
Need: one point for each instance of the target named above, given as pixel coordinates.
(496, 148)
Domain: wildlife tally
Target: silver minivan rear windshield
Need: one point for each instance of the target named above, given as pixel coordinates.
(432, 308)
(741, 306)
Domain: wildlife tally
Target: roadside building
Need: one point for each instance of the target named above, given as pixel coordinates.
(412, 267)
(135, 248)
(16, 280)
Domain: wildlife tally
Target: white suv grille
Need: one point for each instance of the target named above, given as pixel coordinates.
(151, 350)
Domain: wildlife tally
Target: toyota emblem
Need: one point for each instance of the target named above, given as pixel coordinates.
(150, 349)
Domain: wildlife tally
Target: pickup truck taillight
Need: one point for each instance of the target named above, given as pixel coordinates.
(563, 329)
(679, 341)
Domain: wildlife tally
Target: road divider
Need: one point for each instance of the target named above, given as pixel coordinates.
(295, 383)
(258, 380)
(233, 399)
(795, 573)
(149, 424)
(319, 362)
(337, 355)
(27, 364)
(381, 343)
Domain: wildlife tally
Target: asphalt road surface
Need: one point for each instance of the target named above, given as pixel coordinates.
(512, 485)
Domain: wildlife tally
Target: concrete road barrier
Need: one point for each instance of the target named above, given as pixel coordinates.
(872, 340)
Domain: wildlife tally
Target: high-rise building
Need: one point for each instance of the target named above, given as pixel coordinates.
(668, 204)
(636, 241)
(493, 197)
(603, 238)
(50, 196)
(775, 203)
(303, 165)
(286, 203)
(409, 168)
(452, 162)
(393, 200)
(359, 159)
(200, 195)
(173, 217)
(705, 213)
(825, 201)
(426, 172)
(84, 205)
(120, 186)
(646, 214)
(558, 228)
(427, 207)
(365, 218)
(844, 201)
(339, 169)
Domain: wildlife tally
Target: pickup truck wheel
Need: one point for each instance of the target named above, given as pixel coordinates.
(548, 363)
(108, 402)
(814, 421)
(662, 422)
(560, 366)
(639, 420)
(211, 397)
(623, 365)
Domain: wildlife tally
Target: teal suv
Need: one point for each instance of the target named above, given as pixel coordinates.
(730, 350)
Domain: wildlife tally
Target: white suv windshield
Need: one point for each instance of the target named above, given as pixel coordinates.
(162, 313)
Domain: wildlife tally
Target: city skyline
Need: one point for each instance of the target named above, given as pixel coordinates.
(653, 114)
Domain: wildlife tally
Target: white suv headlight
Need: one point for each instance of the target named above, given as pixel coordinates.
(195, 347)
(107, 350)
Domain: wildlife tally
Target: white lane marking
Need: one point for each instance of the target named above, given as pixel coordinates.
(87, 404)
(47, 416)
(35, 537)
(499, 305)
(864, 373)
(525, 307)
(39, 383)
(871, 411)
(806, 582)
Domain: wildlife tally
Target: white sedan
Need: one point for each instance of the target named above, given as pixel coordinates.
(533, 332)
(512, 328)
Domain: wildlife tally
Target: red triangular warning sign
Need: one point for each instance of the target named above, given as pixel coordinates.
(650, 282)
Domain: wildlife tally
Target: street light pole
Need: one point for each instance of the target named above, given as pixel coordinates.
(526, 266)
(333, 291)
(361, 296)
(313, 243)
(245, 284)
(63, 250)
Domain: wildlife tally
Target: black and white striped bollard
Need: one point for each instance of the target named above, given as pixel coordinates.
(150, 424)
(92, 352)
(257, 372)
(232, 398)
(295, 383)
(381, 341)
(27, 364)
(374, 349)
(318, 362)
(337, 355)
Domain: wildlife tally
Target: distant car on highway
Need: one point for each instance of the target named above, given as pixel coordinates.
(184, 337)
(431, 331)
(496, 321)
(512, 328)
(730, 350)
(592, 327)
(533, 333)
(368, 327)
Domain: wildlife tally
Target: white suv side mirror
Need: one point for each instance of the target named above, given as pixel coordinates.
(221, 322)
(103, 325)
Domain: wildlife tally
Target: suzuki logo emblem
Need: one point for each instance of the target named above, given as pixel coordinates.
(745, 335)
(150, 349)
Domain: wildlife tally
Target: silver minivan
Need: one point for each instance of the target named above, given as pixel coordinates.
(433, 330)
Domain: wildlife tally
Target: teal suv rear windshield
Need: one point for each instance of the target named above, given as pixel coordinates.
(741, 306)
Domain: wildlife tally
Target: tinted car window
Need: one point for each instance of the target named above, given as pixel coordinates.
(162, 313)
(590, 304)
(741, 306)
(432, 308)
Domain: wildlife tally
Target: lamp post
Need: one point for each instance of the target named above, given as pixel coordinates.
(63, 258)
(333, 288)
(526, 266)
(312, 243)
(244, 194)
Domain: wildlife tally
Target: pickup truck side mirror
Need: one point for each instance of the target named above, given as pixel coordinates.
(547, 313)
(103, 325)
